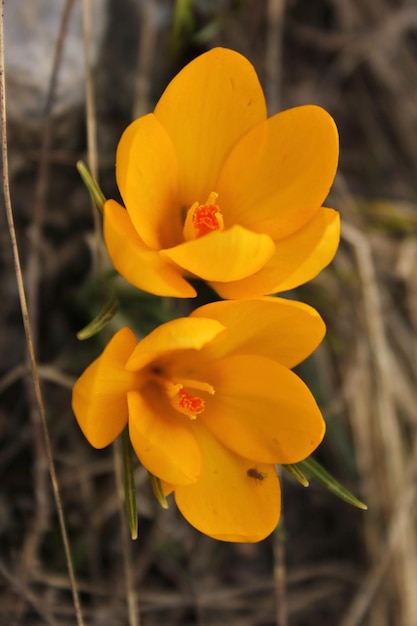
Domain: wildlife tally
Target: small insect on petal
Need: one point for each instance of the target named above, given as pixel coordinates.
(253, 473)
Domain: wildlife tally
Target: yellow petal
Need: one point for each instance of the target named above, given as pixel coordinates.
(262, 410)
(226, 503)
(205, 110)
(146, 173)
(280, 173)
(184, 333)
(162, 439)
(141, 266)
(279, 329)
(320, 239)
(297, 259)
(227, 255)
(99, 398)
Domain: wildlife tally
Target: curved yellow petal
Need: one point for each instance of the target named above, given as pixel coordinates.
(162, 438)
(99, 399)
(262, 410)
(184, 333)
(205, 110)
(147, 173)
(297, 259)
(320, 239)
(141, 266)
(226, 503)
(226, 255)
(276, 328)
(280, 173)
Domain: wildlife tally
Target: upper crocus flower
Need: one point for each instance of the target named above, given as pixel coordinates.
(211, 406)
(215, 190)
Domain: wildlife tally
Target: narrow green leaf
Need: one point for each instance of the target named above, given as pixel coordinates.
(158, 491)
(182, 25)
(297, 474)
(100, 321)
(209, 32)
(313, 469)
(129, 484)
(95, 192)
(183, 16)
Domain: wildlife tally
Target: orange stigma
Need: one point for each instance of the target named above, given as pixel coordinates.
(180, 399)
(203, 219)
(190, 405)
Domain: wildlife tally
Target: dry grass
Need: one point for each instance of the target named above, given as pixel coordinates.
(330, 565)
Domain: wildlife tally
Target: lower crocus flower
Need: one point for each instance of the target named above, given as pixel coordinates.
(215, 190)
(212, 405)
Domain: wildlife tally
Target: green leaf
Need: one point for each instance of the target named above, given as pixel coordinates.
(209, 32)
(182, 25)
(100, 321)
(313, 469)
(296, 473)
(158, 491)
(95, 192)
(129, 484)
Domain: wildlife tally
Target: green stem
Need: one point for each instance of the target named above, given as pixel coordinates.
(89, 181)
(104, 316)
(129, 484)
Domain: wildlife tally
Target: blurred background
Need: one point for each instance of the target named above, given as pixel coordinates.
(328, 564)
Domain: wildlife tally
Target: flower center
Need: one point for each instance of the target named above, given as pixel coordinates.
(182, 400)
(188, 404)
(202, 219)
(185, 402)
